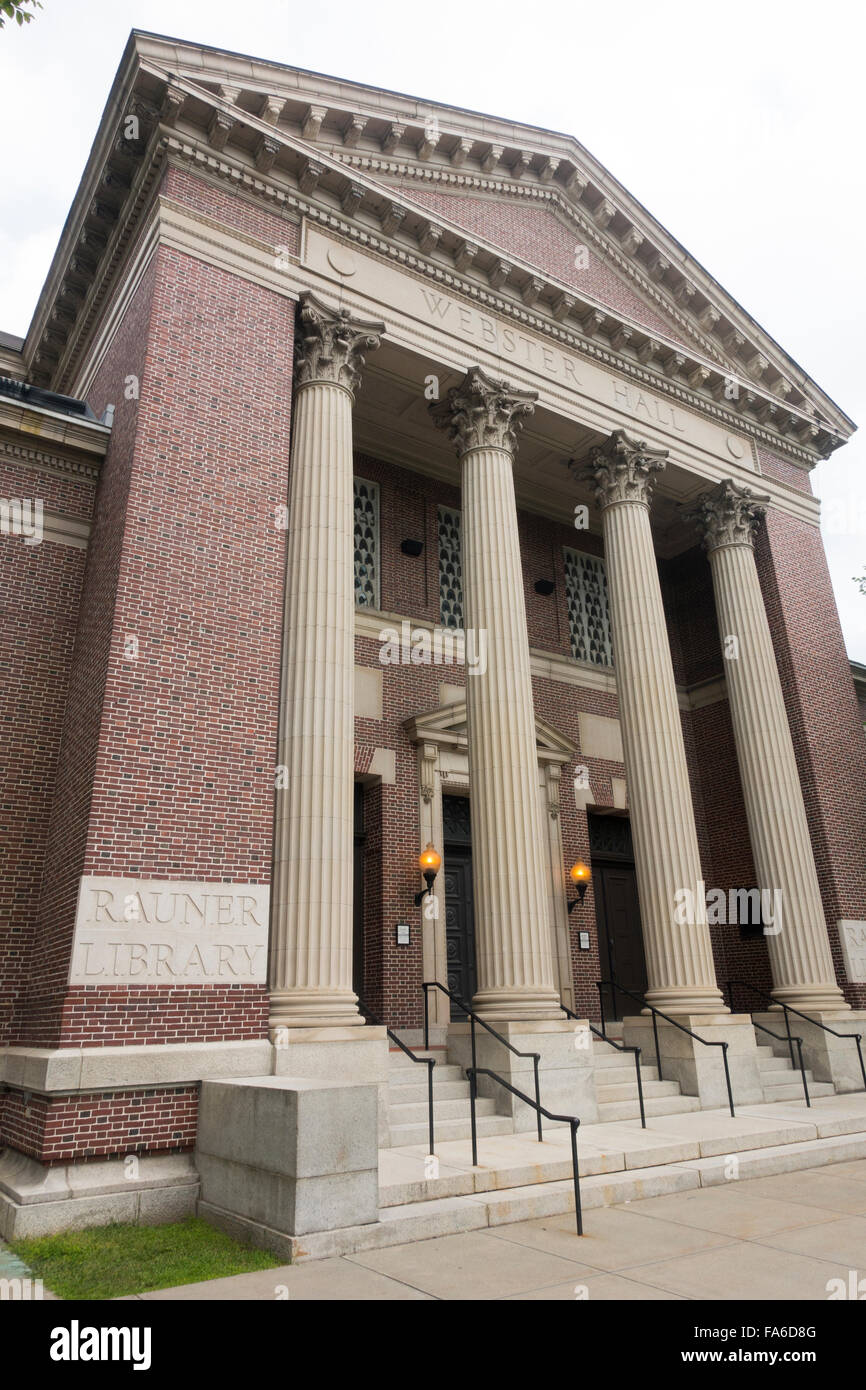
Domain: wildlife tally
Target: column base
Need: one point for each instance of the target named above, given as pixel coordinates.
(685, 1000)
(813, 999)
(828, 1058)
(513, 1005)
(565, 1072)
(699, 1069)
(313, 1008)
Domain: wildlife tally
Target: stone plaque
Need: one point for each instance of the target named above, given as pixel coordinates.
(131, 931)
(853, 938)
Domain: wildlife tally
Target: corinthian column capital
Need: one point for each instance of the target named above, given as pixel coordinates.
(483, 413)
(728, 515)
(330, 344)
(622, 469)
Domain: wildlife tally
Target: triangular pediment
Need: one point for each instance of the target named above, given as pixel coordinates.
(495, 209)
(446, 725)
(473, 169)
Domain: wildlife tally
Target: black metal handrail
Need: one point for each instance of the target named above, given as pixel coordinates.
(473, 1018)
(620, 1047)
(639, 999)
(789, 1009)
(571, 1120)
(429, 1062)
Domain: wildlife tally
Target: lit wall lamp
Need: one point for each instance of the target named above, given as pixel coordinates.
(580, 875)
(429, 862)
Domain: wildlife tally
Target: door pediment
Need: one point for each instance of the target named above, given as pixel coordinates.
(446, 727)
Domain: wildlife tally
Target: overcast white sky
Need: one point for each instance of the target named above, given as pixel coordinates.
(739, 125)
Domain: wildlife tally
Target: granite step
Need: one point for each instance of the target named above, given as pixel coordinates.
(794, 1090)
(442, 1090)
(770, 1062)
(409, 1074)
(487, 1125)
(625, 1075)
(630, 1109)
(498, 1192)
(416, 1113)
(627, 1090)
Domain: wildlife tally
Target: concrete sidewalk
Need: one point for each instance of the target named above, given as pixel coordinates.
(769, 1238)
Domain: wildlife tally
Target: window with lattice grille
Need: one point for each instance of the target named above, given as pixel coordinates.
(588, 608)
(366, 543)
(450, 569)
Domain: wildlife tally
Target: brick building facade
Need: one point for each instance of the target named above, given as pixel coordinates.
(187, 884)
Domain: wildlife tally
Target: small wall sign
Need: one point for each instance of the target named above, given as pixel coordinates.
(402, 933)
(583, 940)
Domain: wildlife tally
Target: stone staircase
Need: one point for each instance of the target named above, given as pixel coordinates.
(519, 1179)
(616, 1087)
(407, 1103)
(782, 1081)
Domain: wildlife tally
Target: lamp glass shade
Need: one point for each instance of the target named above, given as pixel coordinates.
(580, 872)
(429, 861)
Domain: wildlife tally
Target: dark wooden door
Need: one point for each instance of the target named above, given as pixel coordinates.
(459, 925)
(358, 913)
(459, 916)
(620, 939)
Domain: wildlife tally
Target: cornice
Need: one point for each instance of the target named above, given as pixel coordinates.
(51, 441)
(285, 198)
(64, 464)
(428, 139)
(353, 205)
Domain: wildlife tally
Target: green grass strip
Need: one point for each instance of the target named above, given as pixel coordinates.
(110, 1261)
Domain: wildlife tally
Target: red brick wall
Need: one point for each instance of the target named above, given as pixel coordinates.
(784, 470)
(41, 586)
(823, 714)
(99, 1124)
(38, 1013)
(231, 208)
(168, 759)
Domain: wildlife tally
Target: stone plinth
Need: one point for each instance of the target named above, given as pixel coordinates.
(699, 1069)
(281, 1157)
(566, 1076)
(828, 1058)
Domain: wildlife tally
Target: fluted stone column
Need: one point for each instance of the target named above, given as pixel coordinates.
(513, 952)
(311, 923)
(800, 956)
(679, 957)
